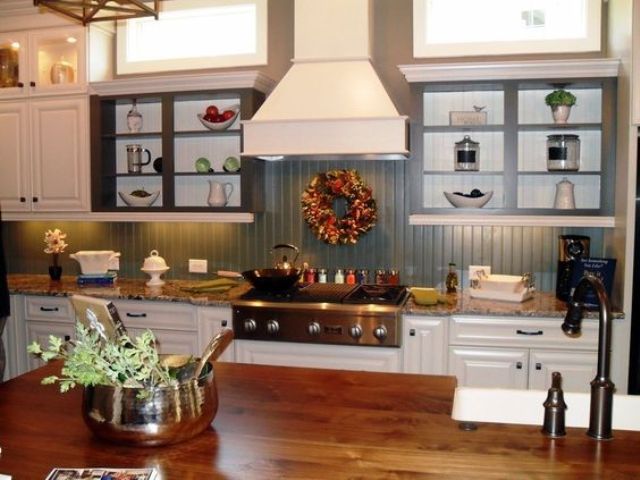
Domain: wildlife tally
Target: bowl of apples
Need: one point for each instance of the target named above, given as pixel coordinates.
(217, 119)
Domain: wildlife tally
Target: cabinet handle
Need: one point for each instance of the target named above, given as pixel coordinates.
(35, 199)
(524, 332)
(224, 323)
(412, 332)
(33, 84)
(49, 309)
(23, 199)
(136, 315)
(20, 85)
(519, 365)
(67, 338)
(538, 366)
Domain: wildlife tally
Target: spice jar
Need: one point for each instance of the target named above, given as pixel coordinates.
(322, 275)
(393, 277)
(467, 154)
(563, 152)
(310, 275)
(381, 277)
(362, 276)
(350, 278)
(339, 276)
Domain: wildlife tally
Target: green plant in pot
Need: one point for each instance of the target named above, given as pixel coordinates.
(131, 394)
(560, 101)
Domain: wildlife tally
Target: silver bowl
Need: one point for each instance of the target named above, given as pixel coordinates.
(167, 415)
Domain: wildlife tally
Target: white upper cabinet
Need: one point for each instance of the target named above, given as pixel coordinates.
(43, 62)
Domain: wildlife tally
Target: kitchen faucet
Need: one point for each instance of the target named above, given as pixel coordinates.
(601, 386)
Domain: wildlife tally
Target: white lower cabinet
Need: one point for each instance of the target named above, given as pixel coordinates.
(517, 352)
(489, 367)
(341, 357)
(174, 325)
(210, 321)
(424, 341)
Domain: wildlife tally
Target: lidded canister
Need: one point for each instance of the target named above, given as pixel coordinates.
(339, 276)
(563, 152)
(322, 275)
(467, 154)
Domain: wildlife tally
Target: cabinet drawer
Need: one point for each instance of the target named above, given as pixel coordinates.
(53, 309)
(520, 332)
(162, 315)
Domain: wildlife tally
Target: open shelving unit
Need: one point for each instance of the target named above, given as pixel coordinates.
(512, 142)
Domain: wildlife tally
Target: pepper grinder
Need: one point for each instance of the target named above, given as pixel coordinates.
(554, 408)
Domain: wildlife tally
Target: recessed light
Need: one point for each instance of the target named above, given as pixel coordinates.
(15, 45)
(72, 39)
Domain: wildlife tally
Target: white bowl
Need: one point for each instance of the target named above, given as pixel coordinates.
(133, 201)
(220, 125)
(459, 201)
(155, 274)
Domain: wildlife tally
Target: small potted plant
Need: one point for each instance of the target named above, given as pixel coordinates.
(54, 239)
(560, 101)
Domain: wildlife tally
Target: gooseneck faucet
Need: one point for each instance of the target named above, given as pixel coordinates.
(601, 386)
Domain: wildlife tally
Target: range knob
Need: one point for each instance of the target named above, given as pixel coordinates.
(314, 329)
(250, 325)
(380, 332)
(273, 327)
(355, 331)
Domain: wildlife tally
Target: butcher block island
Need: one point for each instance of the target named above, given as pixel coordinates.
(281, 422)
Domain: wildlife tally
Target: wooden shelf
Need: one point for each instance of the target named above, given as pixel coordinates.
(480, 219)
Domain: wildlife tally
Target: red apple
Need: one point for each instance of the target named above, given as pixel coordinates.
(228, 114)
(212, 111)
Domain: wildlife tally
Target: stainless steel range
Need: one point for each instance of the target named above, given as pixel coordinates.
(324, 313)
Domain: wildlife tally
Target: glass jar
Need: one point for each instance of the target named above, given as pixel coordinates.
(134, 118)
(322, 275)
(467, 155)
(393, 277)
(339, 276)
(310, 275)
(452, 279)
(350, 278)
(563, 152)
(362, 276)
(381, 277)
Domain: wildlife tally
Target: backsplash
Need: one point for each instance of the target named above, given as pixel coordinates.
(421, 253)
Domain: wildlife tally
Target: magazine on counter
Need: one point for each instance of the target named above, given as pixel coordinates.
(105, 473)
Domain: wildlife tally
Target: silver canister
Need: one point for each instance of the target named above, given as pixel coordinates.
(467, 154)
(563, 153)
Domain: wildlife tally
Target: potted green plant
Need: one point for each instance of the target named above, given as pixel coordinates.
(560, 101)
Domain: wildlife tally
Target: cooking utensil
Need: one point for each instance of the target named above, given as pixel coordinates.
(272, 280)
(217, 345)
(163, 415)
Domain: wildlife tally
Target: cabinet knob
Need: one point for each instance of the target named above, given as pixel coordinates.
(519, 365)
(67, 338)
(20, 85)
(35, 199)
(538, 366)
(33, 84)
(412, 332)
(224, 323)
(23, 199)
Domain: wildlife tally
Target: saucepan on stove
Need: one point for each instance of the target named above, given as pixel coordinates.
(278, 279)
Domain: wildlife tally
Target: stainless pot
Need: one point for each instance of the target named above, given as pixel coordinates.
(272, 280)
(165, 415)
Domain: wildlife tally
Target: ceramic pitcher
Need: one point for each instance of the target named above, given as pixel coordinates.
(219, 193)
(564, 195)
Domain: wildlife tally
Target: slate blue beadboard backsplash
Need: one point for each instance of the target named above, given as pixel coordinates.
(421, 254)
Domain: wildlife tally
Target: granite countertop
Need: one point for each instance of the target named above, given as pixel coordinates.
(543, 304)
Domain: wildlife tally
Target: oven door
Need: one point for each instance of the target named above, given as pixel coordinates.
(340, 357)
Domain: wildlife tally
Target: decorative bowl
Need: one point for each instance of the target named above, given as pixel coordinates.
(424, 296)
(460, 201)
(134, 201)
(155, 274)
(220, 125)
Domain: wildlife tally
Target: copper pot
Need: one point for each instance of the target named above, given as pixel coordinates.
(165, 415)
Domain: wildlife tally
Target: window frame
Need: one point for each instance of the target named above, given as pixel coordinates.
(124, 66)
(592, 42)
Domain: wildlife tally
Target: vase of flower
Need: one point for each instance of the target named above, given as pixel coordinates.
(55, 270)
(54, 239)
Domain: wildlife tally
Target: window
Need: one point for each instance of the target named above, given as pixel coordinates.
(194, 34)
(446, 28)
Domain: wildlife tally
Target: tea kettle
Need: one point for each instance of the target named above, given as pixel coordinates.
(284, 262)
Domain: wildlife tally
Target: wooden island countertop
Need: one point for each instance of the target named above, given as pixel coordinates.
(278, 422)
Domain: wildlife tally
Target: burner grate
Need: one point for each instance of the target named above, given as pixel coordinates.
(324, 292)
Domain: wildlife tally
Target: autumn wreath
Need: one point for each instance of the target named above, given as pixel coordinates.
(318, 201)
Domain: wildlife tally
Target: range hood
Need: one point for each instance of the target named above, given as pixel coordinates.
(331, 103)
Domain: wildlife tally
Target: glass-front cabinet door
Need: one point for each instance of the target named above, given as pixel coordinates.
(43, 62)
